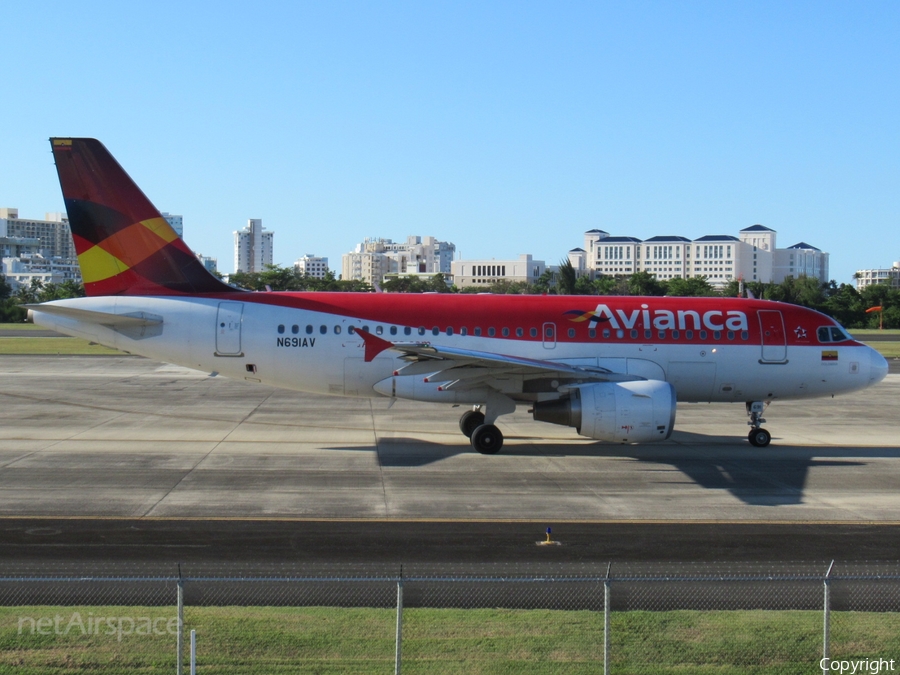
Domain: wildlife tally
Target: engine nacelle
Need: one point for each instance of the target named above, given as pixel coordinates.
(620, 412)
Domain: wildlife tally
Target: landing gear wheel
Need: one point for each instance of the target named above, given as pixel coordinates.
(759, 438)
(487, 439)
(470, 421)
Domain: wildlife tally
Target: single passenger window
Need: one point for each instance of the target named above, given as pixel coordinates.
(407, 330)
(745, 335)
(717, 335)
(519, 332)
(309, 330)
(606, 333)
(393, 330)
(688, 335)
(533, 332)
(702, 334)
(337, 330)
(662, 335)
(675, 334)
(491, 332)
(435, 331)
(280, 328)
(379, 330)
(323, 329)
(592, 333)
(506, 332)
(449, 330)
(463, 331)
(478, 331)
(295, 329)
(648, 334)
(421, 330)
(571, 332)
(351, 330)
(731, 335)
(621, 333)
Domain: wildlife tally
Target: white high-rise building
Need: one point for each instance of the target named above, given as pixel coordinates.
(720, 258)
(54, 232)
(312, 266)
(253, 247)
(890, 276)
(372, 259)
(177, 222)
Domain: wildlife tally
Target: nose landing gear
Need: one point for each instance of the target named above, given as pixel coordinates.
(758, 436)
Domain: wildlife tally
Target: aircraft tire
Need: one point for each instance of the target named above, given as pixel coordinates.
(759, 438)
(487, 439)
(470, 421)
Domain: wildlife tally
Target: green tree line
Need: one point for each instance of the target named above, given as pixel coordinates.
(843, 302)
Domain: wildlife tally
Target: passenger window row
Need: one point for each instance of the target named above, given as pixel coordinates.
(826, 334)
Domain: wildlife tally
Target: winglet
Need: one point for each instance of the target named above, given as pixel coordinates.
(374, 344)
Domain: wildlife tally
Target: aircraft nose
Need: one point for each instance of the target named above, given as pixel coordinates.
(878, 366)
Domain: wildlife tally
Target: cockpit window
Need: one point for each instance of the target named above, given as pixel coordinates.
(831, 334)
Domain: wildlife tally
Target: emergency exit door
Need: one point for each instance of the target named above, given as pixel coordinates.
(774, 339)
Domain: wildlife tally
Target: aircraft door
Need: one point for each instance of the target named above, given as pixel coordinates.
(228, 329)
(774, 338)
(549, 333)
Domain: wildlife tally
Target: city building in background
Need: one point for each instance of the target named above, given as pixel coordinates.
(312, 266)
(372, 259)
(486, 272)
(177, 222)
(721, 258)
(41, 250)
(889, 276)
(253, 247)
(211, 264)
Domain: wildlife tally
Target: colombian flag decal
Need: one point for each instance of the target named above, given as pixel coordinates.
(829, 355)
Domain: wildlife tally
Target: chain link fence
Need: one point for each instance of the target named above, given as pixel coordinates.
(621, 618)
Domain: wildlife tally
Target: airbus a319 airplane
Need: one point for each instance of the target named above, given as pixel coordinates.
(611, 367)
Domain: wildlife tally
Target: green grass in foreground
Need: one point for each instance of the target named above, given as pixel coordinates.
(24, 327)
(358, 640)
(51, 345)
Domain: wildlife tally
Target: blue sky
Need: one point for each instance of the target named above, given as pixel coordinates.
(506, 128)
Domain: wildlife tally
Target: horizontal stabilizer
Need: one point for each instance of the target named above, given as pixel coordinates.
(133, 320)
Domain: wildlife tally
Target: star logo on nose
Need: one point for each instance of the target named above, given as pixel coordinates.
(800, 332)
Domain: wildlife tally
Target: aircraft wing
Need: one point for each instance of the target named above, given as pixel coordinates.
(456, 367)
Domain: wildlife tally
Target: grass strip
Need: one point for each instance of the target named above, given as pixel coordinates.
(447, 641)
(64, 346)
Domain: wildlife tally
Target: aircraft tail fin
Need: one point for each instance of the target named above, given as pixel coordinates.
(124, 245)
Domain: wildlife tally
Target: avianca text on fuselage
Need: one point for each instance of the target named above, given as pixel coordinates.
(665, 319)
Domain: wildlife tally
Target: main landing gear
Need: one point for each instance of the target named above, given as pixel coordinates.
(485, 438)
(758, 436)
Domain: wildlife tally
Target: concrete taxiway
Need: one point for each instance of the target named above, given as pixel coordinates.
(131, 438)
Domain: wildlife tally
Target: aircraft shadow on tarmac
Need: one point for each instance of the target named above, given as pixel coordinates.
(773, 476)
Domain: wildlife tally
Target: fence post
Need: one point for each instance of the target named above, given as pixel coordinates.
(179, 646)
(399, 638)
(193, 652)
(606, 621)
(826, 617)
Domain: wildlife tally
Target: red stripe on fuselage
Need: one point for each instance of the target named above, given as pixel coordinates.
(454, 311)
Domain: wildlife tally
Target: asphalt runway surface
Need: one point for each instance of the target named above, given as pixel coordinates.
(124, 461)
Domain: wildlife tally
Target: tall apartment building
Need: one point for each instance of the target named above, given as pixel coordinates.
(53, 232)
(486, 272)
(253, 247)
(372, 259)
(176, 222)
(878, 276)
(721, 258)
(312, 266)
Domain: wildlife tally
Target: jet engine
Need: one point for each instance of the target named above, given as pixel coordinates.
(620, 412)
